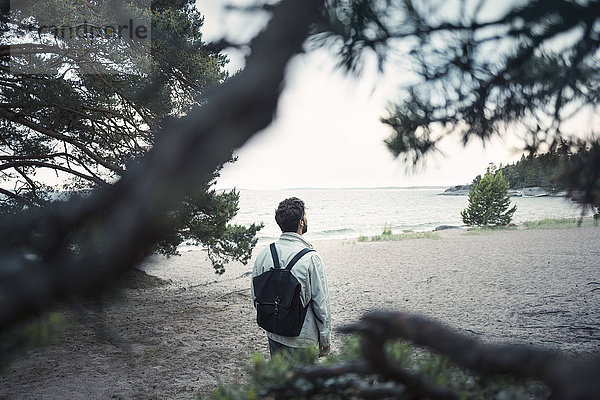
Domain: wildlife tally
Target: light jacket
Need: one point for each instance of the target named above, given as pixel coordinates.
(316, 329)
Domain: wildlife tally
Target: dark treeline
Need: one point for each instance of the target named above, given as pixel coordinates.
(545, 170)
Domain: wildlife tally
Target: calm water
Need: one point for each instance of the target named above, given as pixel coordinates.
(348, 213)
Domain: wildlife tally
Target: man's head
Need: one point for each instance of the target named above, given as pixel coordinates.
(290, 216)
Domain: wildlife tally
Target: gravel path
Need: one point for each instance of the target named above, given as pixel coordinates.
(538, 287)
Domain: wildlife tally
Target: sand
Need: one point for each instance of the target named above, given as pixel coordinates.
(539, 287)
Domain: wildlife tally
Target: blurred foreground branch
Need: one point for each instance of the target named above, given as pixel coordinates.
(568, 378)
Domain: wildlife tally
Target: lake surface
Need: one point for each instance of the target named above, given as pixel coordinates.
(349, 213)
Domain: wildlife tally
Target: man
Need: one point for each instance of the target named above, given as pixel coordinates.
(291, 218)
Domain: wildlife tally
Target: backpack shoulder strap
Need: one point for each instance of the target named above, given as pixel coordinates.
(297, 257)
(274, 255)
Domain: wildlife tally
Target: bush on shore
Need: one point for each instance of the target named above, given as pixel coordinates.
(387, 235)
(489, 201)
(278, 376)
(560, 223)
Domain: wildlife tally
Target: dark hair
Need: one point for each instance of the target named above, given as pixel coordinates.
(289, 213)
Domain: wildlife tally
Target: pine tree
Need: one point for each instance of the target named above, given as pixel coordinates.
(91, 125)
(489, 201)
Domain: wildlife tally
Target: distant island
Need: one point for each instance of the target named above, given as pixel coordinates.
(534, 191)
(340, 188)
(532, 176)
(458, 190)
(367, 188)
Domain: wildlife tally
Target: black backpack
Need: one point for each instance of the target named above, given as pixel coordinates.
(277, 295)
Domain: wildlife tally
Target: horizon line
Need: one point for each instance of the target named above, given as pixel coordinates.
(347, 188)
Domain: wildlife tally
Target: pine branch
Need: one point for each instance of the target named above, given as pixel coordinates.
(568, 378)
(16, 197)
(49, 132)
(40, 164)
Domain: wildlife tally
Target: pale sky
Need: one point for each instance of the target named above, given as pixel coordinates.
(327, 131)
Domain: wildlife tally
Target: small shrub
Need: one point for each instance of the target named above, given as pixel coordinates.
(489, 201)
(37, 332)
(399, 236)
(387, 229)
(558, 223)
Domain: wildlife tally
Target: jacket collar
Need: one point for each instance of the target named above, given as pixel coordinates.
(294, 237)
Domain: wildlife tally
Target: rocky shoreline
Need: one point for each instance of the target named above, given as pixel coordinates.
(534, 191)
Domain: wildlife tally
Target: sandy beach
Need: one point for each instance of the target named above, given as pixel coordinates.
(176, 341)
